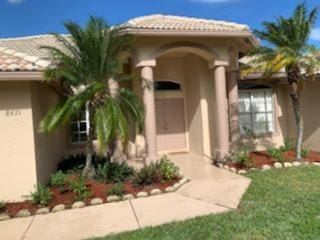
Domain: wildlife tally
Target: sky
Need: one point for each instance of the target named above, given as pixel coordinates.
(32, 17)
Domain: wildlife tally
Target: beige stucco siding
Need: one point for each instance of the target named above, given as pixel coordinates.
(48, 148)
(310, 102)
(193, 99)
(18, 171)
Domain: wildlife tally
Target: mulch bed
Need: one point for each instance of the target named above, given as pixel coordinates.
(260, 158)
(67, 197)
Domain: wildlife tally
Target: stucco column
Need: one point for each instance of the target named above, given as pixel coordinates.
(150, 113)
(222, 110)
(233, 106)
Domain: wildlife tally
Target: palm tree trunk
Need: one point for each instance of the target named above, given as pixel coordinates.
(117, 148)
(88, 170)
(293, 79)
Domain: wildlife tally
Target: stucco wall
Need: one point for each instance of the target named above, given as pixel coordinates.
(310, 111)
(193, 100)
(18, 166)
(48, 148)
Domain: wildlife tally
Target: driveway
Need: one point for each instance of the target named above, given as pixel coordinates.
(210, 191)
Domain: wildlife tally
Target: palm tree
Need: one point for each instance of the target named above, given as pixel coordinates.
(287, 49)
(85, 60)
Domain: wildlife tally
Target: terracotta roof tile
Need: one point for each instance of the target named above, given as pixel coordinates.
(168, 22)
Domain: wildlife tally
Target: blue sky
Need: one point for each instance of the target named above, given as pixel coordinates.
(30, 17)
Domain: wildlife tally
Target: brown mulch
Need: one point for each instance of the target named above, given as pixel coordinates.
(67, 197)
(260, 158)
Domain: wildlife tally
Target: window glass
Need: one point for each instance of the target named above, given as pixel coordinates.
(256, 110)
(78, 129)
(167, 86)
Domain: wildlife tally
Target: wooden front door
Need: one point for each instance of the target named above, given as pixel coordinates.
(171, 134)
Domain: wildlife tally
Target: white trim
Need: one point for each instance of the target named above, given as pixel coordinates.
(21, 76)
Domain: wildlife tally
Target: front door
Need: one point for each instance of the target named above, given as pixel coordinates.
(171, 135)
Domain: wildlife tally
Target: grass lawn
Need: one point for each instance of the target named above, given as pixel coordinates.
(280, 204)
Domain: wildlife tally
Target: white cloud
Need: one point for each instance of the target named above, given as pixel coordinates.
(15, 1)
(315, 34)
(213, 1)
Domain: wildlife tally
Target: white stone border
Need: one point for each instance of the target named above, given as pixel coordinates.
(97, 201)
(267, 166)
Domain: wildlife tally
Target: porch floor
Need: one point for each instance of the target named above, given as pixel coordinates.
(210, 191)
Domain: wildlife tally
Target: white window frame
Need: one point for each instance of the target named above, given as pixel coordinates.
(77, 121)
(252, 113)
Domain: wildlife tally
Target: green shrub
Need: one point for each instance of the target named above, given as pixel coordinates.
(242, 156)
(167, 169)
(113, 172)
(42, 195)
(2, 205)
(287, 145)
(305, 152)
(147, 175)
(276, 153)
(75, 163)
(79, 187)
(58, 179)
(117, 189)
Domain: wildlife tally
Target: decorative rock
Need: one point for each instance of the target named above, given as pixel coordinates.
(287, 164)
(128, 197)
(253, 169)
(113, 198)
(226, 167)
(23, 213)
(232, 169)
(4, 216)
(78, 204)
(220, 165)
(142, 194)
(242, 171)
(316, 163)
(176, 185)
(266, 167)
(96, 201)
(43, 211)
(58, 208)
(296, 164)
(183, 181)
(155, 191)
(169, 189)
(278, 165)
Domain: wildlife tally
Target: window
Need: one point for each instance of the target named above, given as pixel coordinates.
(256, 111)
(167, 86)
(79, 129)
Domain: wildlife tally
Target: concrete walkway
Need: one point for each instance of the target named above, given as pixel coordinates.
(210, 191)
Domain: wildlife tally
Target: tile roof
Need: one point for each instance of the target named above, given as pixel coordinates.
(168, 22)
(24, 53)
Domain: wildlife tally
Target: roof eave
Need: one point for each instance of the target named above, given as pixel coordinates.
(21, 76)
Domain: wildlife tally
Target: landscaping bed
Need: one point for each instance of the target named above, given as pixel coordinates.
(112, 182)
(259, 159)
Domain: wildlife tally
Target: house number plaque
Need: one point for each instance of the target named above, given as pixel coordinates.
(11, 113)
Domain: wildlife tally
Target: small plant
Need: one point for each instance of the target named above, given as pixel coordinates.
(2, 205)
(276, 153)
(79, 187)
(58, 179)
(117, 189)
(242, 156)
(147, 175)
(42, 195)
(167, 169)
(305, 152)
(113, 172)
(287, 145)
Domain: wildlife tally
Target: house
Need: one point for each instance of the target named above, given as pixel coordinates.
(198, 103)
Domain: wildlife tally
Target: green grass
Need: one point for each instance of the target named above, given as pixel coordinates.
(279, 204)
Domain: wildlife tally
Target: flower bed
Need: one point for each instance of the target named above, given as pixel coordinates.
(261, 160)
(68, 191)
